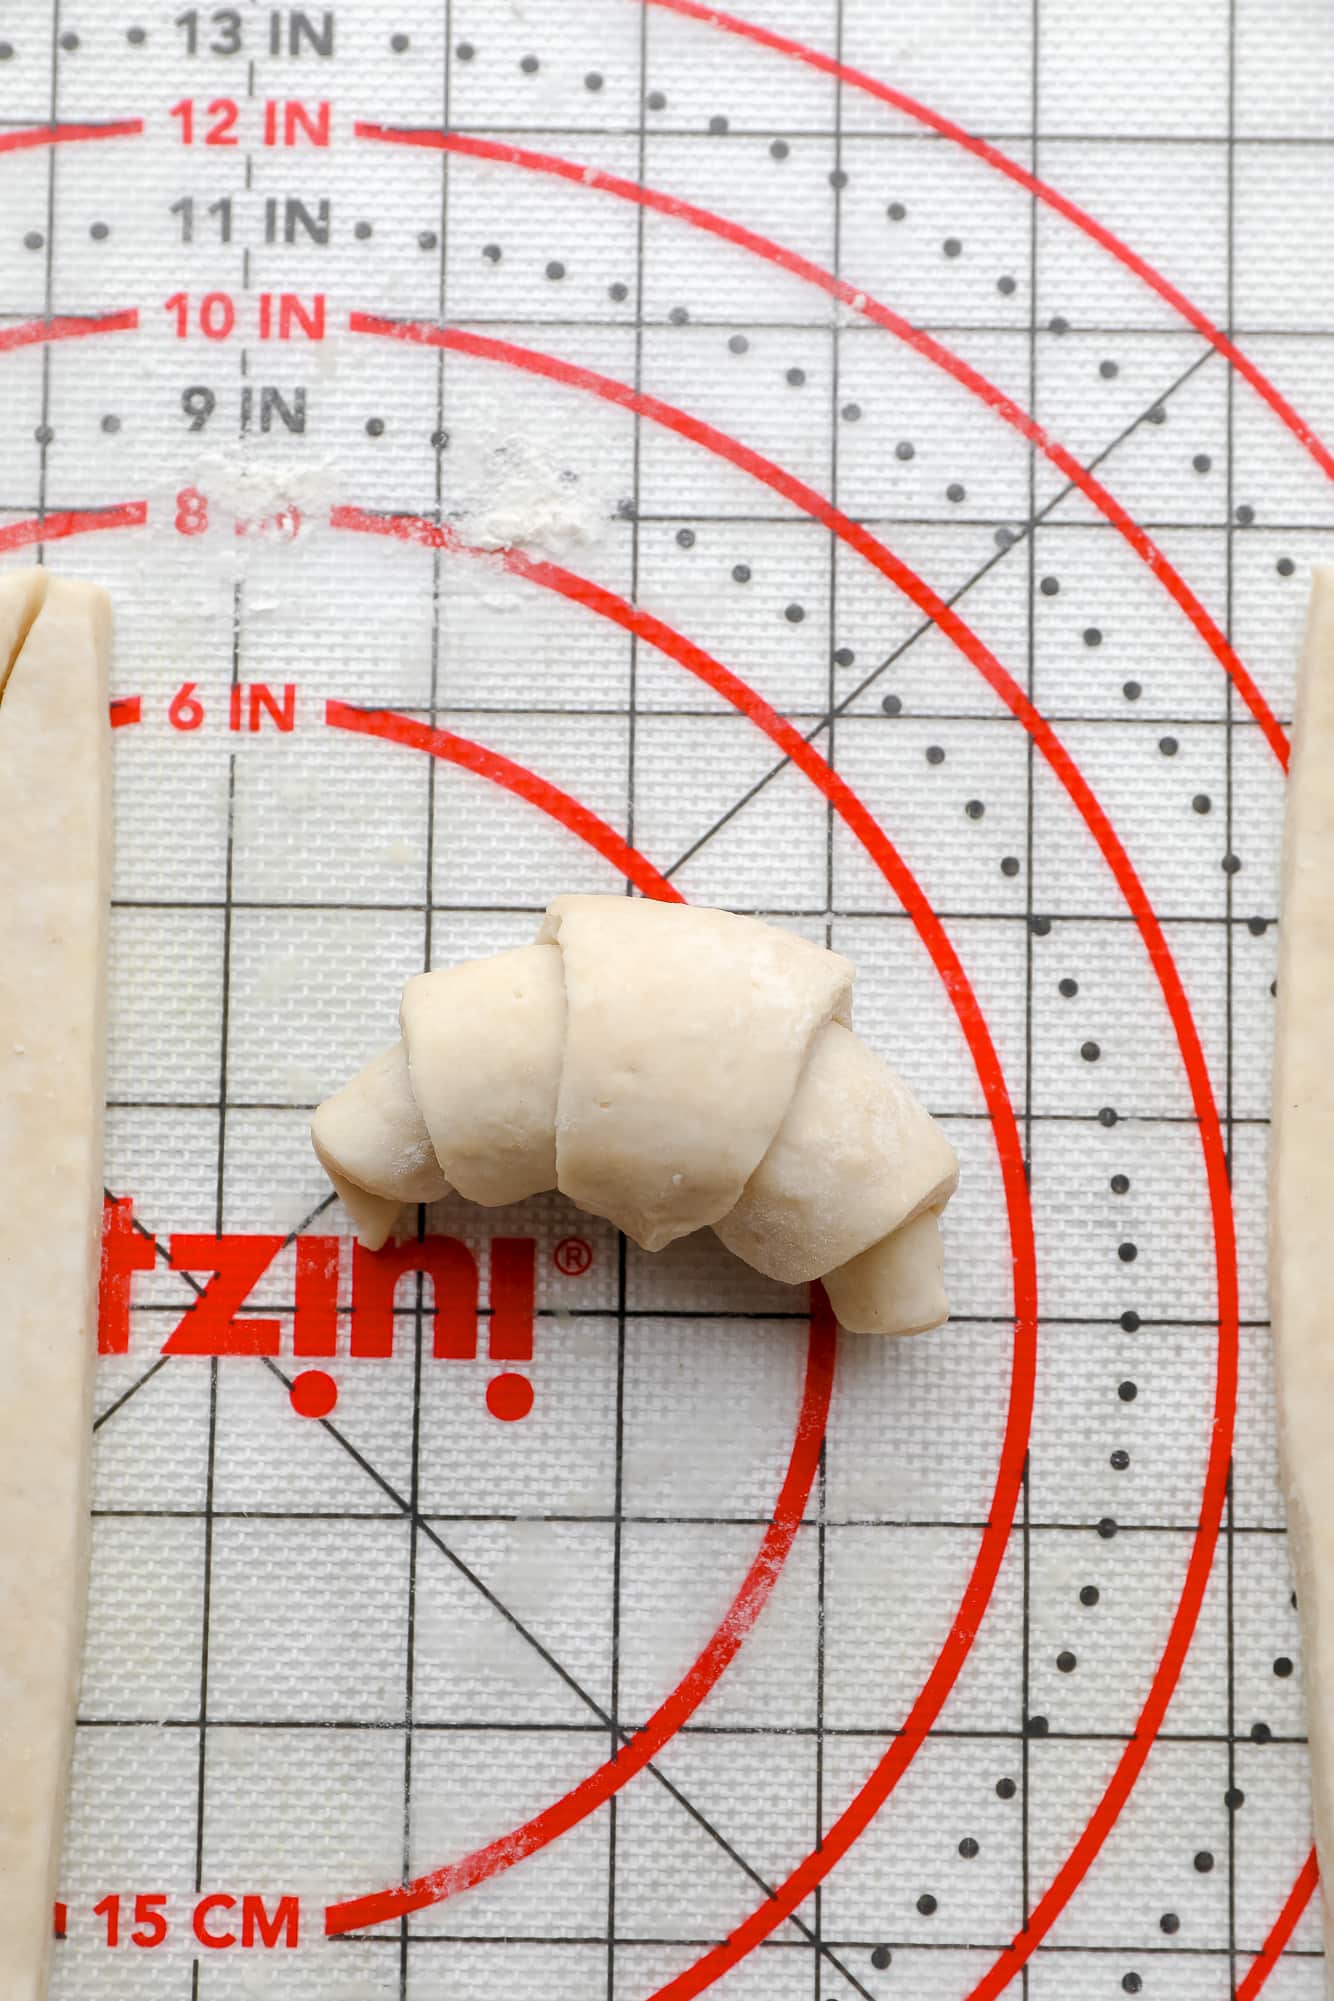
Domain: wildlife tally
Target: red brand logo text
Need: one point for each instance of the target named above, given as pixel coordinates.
(225, 1270)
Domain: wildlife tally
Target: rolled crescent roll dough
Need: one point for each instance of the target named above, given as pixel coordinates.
(55, 847)
(664, 1067)
(1302, 1202)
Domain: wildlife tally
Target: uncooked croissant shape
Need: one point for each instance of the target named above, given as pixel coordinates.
(665, 1067)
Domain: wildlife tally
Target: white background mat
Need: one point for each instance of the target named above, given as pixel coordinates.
(326, 1656)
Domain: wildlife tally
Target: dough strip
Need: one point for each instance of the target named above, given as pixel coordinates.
(55, 845)
(1302, 1202)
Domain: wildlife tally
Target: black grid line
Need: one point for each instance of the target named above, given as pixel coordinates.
(883, 1730)
(410, 1622)
(1119, 1114)
(822, 1469)
(428, 913)
(42, 119)
(1017, 327)
(220, 1193)
(631, 746)
(1186, 522)
(777, 1315)
(1030, 594)
(618, 1524)
(1229, 970)
(1105, 1526)
(418, 1310)
(1073, 1952)
(849, 913)
(206, 1611)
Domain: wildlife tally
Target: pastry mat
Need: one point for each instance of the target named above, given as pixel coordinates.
(1000, 1646)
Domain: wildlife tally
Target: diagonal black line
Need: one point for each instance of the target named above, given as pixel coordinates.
(198, 1290)
(133, 1390)
(1018, 537)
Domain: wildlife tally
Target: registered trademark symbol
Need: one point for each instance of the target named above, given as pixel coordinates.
(573, 1256)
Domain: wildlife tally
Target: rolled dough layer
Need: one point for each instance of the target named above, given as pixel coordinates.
(55, 846)
(898, 1285)
(1302, 1203)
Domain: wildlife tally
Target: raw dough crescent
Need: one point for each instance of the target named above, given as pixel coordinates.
(1302, 1202)
(664, 1067)
(55, 847)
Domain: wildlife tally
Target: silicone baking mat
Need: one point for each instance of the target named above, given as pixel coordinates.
(856, 463)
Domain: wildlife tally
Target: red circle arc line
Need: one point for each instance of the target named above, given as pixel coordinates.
(499, 770)
(65, 135)
(61, 523)
(66, 326)
(1050, 197)
(860, 301)
(868, 1802)
(1284, 1925)
(672, 1714)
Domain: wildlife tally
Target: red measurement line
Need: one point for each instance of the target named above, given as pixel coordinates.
(991, 1549)
(1051, 197)
(68, 327)
(64, 135)
(64, 522)
(469, 756)
(126, 709)
(1299, 1896)
(922, 343)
